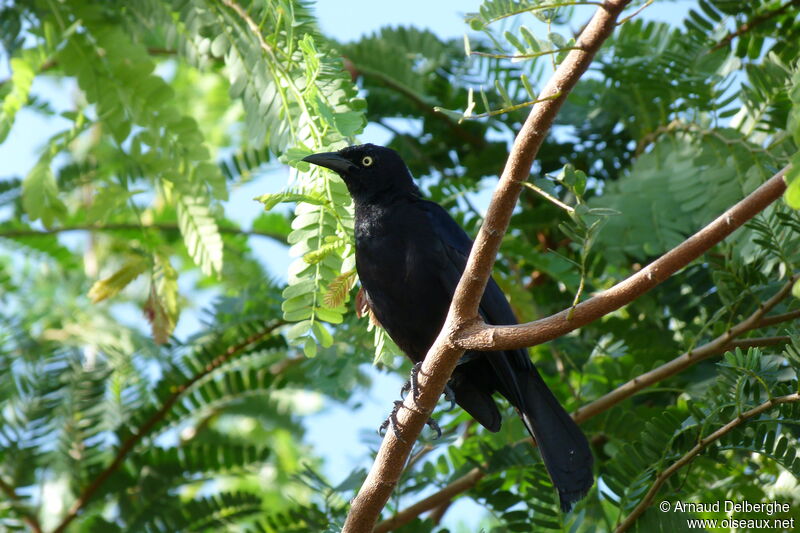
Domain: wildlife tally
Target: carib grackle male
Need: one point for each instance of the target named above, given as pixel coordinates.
(409, 257)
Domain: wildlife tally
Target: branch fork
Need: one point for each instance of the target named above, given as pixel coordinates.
(464, 330)
(444, 355)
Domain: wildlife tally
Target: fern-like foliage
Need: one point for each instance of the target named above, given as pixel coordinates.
(746, 380)
(682, 173)
(90, 408)
(295, 97)
(204, 514)
(167, 146)
(182, 419)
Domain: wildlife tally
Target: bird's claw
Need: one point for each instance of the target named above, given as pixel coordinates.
(405, 389)
(450, 396)
(434, 426)
(412, 384)
(415, 370)
(391, 420)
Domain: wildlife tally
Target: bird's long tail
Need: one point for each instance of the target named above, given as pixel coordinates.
(563, 446)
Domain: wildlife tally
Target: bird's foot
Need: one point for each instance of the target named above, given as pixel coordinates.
(412, 384)
(391, 421)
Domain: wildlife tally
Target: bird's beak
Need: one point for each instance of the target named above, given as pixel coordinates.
(331, 160)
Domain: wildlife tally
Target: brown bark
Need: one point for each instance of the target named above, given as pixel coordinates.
(443, 355)
(480, 336)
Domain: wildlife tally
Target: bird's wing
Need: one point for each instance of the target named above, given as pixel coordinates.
(564, 448)
(456, 245)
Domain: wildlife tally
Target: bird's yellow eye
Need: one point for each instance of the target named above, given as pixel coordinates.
(366, 161)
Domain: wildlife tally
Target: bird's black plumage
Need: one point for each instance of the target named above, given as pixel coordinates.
(410, 255)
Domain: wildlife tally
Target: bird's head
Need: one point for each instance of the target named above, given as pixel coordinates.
(369, 171)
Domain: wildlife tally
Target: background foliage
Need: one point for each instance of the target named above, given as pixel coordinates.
(107, 427)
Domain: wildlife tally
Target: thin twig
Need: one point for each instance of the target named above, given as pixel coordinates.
(685, 360)
(759, 342)
(162, 226)
(514, 107)
(127, 446)
(417, 457)
(755, 21)
(438, 513)
(426, 107)
(629, 17)
(777, 319)
(458, 486)
(699, 447)
(549, 197)
(523, 56)
(12, 495)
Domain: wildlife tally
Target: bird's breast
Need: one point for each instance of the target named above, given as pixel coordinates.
(394, 264)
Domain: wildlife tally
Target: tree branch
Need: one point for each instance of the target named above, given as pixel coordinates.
(777, 319)
(480, 336)
(458, 486)
(437, 514)
(425, 107)
(164, 227)
(12, 495)
(52, 63)
(129, 443)
(699, 447)
(755, 21)
(759, 342)
(755, 321)
(444, 355)
(684, 361)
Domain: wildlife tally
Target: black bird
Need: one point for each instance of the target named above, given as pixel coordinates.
(410, 255)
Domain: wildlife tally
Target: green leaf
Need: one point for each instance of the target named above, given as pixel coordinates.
(23, 70)
(322, 335)
(273, 199)
(298, 330)
(107, 201)
(299, 302)
(453, 114)
(110, 286)
(303, 287)
(298, 314)
(349, 123)
(329, 315)
(310, 347)
(792, 194)
(219, 46)
(200, 232)
(161, 308)
(40, 194)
